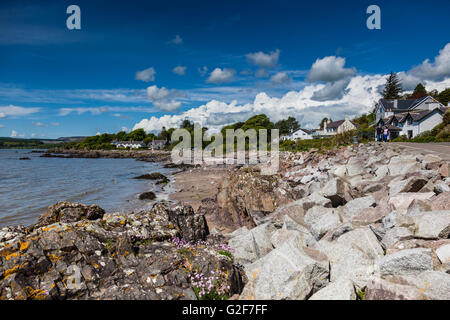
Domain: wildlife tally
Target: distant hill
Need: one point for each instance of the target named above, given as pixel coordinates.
(21, 143)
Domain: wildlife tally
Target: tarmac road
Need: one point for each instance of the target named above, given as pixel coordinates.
(441, 149)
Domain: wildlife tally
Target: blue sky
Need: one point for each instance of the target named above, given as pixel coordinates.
(235, 59)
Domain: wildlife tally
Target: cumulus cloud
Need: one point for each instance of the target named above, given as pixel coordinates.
(437, 70)
(329, 69)
(331, 91)
(146, 75)
(434, 75)
(162, 98)
(280, 78)
(359, 97)
(179, 70)
(264, 60)
(16, 111)
(219, 76)
(15, 134)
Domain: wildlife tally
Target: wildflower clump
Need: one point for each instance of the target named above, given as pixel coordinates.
(210, 287)
(213, 285)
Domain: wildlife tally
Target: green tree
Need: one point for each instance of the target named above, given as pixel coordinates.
(121, 136)
(137, 135)
(393, 87)
(260, 121)
(444, 96)
(287, 126)
(419, 92)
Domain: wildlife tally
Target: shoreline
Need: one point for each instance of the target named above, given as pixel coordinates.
(348, 219)
(147, 155)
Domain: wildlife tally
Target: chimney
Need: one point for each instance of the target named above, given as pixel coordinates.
(347, 118)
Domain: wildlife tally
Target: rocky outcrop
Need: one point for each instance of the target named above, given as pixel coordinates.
(153, 176)
(80, 252)
(246, 197)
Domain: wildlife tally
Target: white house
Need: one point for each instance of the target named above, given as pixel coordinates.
(299, 134)
(129, 144)
(331, 128)
(157, 144)
(386, 107)
(409, 117)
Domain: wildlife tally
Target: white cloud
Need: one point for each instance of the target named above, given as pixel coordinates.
(280, 78)
(146, 75)
(329, 69)
(179, 70)
(15, 134)
(437, 70)
(177, 40)
(15, 111)
(264, 60)
(219, 76)
(162, 98)
(359, 97)
(331, 91)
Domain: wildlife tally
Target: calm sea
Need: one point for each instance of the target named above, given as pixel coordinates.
(28, 187)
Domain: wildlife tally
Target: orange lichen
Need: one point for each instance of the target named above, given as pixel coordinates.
(13, 270)
(24, 245)
(38, 294)
(12, 255)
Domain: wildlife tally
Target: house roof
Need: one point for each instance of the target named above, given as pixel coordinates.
(414, 115)
(336, 124)
(402, 104)
(304, 130)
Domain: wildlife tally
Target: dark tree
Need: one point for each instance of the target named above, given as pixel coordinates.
(444, 96)
(186, 124)
(393, 87)
(287, 126)
(419, 92)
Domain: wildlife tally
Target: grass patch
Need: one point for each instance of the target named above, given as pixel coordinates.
(226, 254)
